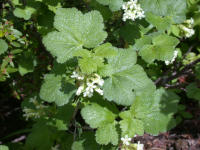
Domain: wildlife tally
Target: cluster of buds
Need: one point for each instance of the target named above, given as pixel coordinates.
(167, 62)
(132, 10)
(34, 113)
(187, 28)
(126, 141)
(88, 84)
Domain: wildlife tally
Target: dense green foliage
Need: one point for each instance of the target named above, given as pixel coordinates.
(89, 73)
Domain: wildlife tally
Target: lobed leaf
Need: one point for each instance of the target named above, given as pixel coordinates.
(75, 30)
(57, 89)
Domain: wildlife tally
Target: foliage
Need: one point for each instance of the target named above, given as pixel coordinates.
(131, 72)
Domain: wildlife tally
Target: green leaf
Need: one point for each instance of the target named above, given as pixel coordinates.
(125, 77)
(176, 9)
(142, 42)
(41, 138)
(61, 45)
(24, 13)
(26, 63)
(86, 142)
(96, 115)
(193, 91)
(105, 50)
(114, 5)
(89, 65)
(131, 127)
(63, 116)
(130, 32)
(156, 111)
(57, 89)
(107, 134)
(75, 30)
(3, 147)
(3, 46)
(161, 23)
(83, 53)
(162, 48)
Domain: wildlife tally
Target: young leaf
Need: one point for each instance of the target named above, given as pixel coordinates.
(3, 46)
(162, 48)
(24, 13)
(96, 115)
(57, 89)
(161, 23)
(75, 30)
(131, 127)
(105, 50)
(107, 134)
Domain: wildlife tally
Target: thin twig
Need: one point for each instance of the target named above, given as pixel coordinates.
(162, 81)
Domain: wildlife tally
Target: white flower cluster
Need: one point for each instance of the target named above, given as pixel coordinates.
(167, 62)
(140, 146)
(187, 29)
(132, 10)
(88, 84)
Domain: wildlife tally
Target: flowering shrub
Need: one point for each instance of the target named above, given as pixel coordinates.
(99, 72)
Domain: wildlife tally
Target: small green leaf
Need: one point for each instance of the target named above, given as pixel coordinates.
(89, 65)
(193, 91)
(24, 13)
(107, 134)
(3, 46)
(105, 50)
(57, 89)
(131, 127)
(162, 48)
(161, 23)
(114, 5)
(26, 63)
(3, 147)
(96, 115)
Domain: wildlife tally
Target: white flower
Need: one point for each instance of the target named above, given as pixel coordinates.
(140, 146)
(190, 22)
(74, 74)
(93, 83)
(189, 33)
(80, 90)
(77, 76)
(167, 62)
(98, 80)
(87, 94)
(126, 140)
(132, 10)
(100, 91)
(187, 30)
